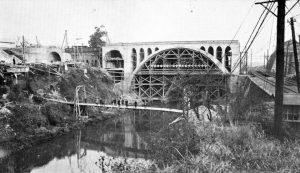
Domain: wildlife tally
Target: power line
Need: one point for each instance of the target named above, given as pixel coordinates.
(292, 7)
(245, 50)
(254, 29)
(271, 34)
(241, 24)
(241, 57)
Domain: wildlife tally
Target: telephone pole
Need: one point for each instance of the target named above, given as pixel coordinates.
(295, 53)
(23, 49)
(277, 128)
(278, 109)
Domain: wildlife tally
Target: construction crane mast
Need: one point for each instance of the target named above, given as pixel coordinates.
(65, 41)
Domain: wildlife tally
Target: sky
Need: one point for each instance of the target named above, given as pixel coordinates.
(140, 21)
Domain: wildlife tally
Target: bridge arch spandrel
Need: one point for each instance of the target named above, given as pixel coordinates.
(151, 80)
(203, 53)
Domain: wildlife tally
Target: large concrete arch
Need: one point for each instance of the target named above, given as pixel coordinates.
(126, 51)
(204, 53)
(149, 79)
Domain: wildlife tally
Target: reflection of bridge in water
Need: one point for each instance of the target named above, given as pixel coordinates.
(128, 135)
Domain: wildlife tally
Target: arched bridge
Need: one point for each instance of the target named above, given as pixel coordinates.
(47, 55)
(150, 68)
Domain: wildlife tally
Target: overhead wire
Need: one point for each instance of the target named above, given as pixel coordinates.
(239, 60)
(254, 29)
(243, 21)
(245, 50)
(271, 34)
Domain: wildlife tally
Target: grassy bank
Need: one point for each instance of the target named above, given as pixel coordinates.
(214, 148)
(27, 118)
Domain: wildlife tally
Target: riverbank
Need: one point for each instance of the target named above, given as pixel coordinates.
(211, 147)
(27, 119)
(25, 125)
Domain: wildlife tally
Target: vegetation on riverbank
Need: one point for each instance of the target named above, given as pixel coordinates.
(27, 117)
(245, 144)
(242, 142)
(213, 148)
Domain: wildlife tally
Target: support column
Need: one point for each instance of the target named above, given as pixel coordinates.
(223, 58)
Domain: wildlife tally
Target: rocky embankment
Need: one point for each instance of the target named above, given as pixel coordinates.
(27, 118)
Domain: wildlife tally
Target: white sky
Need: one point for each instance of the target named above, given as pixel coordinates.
(139, 21)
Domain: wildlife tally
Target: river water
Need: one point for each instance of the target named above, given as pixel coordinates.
(114, 144)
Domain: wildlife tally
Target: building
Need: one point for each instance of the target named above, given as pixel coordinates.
(289, 60)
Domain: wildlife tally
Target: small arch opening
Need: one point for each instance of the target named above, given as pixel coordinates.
(228, 56)
(149, 51)
(142, 54)
(54, 57)
(133, 59)
(211, 50)
(156, 49)
(219, 53)
(202, 48)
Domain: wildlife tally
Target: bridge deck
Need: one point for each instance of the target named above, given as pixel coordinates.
(120, 107)
(265, 86)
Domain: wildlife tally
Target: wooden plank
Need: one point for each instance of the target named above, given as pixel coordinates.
(120, 107)
(18, 69)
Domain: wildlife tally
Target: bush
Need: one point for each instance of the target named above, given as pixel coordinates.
(236, 149)
(97, 84)
(56, 113)
(15, 94)
(26, 117)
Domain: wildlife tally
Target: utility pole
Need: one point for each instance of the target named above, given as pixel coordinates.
(292, 20)
(37, 42)
(264, 60)
(241, 64)
(246, 65)
(267, 58)
(251, 58)
(278, 109)
(277, 128)
(23, 49)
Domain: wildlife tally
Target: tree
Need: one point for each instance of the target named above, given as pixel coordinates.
(192, 91)
(95, 38)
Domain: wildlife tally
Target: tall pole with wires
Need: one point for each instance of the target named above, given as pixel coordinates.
(292, 20)
(277, 127)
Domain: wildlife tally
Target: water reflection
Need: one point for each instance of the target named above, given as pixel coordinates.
(108, 145)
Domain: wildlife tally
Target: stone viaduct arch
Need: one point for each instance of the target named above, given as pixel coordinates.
(154, 77)
(136, 55)
(47, 55)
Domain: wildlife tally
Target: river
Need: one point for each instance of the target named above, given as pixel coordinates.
(114, 144)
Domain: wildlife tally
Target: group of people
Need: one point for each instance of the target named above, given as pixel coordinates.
(122, 102)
